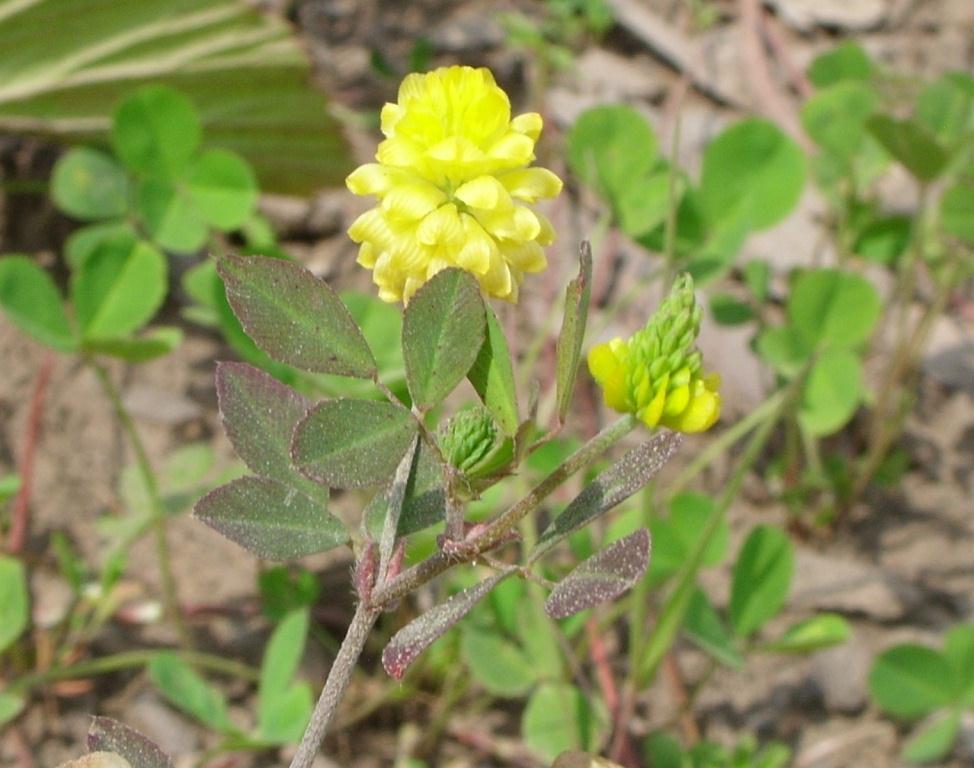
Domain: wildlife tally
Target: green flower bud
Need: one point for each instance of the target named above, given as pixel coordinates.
(468, 437)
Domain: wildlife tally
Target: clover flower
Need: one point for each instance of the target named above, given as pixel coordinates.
(656, 374)
(454, 187)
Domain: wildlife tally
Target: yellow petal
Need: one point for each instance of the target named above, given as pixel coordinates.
(484, 192)
(530, 124)
(368, 179)
(513, 148)
(650, 415)
(526, 257)
(411, 201)
(530, 184)
(440, 226)
(479, 248)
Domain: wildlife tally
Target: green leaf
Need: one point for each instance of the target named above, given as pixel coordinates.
(946, 107)
(957, 212)
(497, 664)
(9, 486)
(118, 288)
(275, 691)
(223, 188)
(283, 589)
(784, 349)
(602, 577)
(761, 580)
(11, 705)
(847, 61)
(831, 393)
(492, 376)
(728, 310)
(828, 306)
(959, 651)
(611, 487)
(89, 185)
(911, 144)
(259, 415)
(186, 690)
(558, 717)
(933, 741)
(107, 735)
(424, 503)
(157, 342)
(822, 631)
(284, 652)
(295, 317)
(33, 303)
(13, 601)
(569, 348)
(911, 681)
(608, 146)
(539, 636)
(755, 167)
(644, 202)
(757, 278)
(284, 717)
(271, 519)
(82, 242)
(170, 217)
(443, 330)
(156, 130)
(246, 71)
(352, 443)
(835, 118)
(884, 239)
(704, 627)
(419, 634)
(663, 751)
(676, 537)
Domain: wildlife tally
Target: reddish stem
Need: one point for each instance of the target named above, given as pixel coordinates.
(600, 659)
(20, 515)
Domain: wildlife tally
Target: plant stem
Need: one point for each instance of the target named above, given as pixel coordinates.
(648, 654)
(166, 576)
(414, 577)
(335, 685)
(411, 579)
(885, 428)
(119, 661)
(725, 440)
(20, 509)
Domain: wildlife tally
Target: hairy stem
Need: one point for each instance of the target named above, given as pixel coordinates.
(335, 685)
(149, 480)
(414, 577)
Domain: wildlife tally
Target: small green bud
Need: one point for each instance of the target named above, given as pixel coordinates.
(468, 437)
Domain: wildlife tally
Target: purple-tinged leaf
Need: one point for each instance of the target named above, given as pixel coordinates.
(611, 487)
(442, 333)
(295, 317)
(603, 577)
(569, 350)
(419, 634)
(259, 414)
(352, 443)
(107, 735)
(271, 519)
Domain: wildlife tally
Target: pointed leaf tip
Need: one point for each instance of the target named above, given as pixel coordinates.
(602, 577)
(410, 641)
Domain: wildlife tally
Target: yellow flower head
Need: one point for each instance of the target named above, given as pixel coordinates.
(454, 187)
(656, 373)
